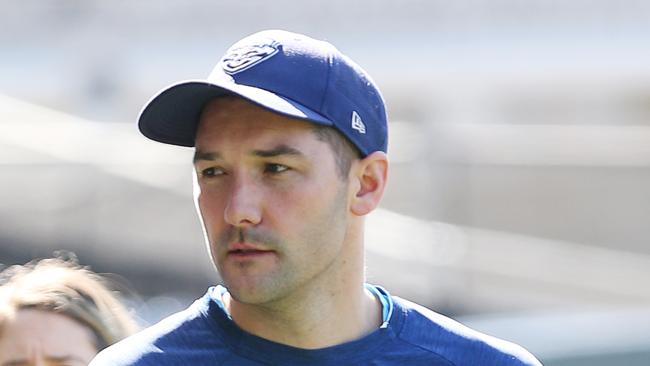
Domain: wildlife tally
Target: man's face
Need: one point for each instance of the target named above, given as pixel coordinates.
(273, 206)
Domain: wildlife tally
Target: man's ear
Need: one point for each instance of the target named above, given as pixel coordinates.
(371, 174)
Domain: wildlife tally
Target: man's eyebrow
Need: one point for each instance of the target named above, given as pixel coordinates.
(205, 155)
(277, 151)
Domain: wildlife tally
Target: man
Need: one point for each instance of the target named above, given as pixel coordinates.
(290, 142)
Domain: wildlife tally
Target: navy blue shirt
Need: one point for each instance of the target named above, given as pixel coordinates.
(204, 334)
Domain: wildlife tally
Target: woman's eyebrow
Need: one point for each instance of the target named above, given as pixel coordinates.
(59, 359)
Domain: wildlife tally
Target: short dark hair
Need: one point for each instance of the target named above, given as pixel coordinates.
(344, 152)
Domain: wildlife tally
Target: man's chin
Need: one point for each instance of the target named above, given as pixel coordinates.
(252, 292)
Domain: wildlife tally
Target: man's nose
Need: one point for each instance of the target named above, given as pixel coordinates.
(244, 204)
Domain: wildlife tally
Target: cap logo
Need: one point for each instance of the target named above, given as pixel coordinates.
(238, 59)
(357, 123)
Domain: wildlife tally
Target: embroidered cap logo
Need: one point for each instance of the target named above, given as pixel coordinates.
(357, 123)
(239, 59)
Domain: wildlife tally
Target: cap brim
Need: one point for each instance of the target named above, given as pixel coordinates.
(172, 116)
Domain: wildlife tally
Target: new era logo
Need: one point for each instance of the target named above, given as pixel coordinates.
(357, 123)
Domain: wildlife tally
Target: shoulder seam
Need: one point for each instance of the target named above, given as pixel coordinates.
(426, 350)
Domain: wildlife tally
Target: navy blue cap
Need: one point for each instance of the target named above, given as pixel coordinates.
(284, 72)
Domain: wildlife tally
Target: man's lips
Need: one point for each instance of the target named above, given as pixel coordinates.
(246, 250)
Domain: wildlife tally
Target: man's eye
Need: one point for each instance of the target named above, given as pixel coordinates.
(211, 172)
(275, 168)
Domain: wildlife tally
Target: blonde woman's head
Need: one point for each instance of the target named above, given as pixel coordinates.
(43, 298)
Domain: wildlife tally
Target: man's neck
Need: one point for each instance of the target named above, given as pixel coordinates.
(317, 320)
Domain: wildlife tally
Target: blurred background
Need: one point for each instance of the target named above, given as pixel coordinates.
(519, 195)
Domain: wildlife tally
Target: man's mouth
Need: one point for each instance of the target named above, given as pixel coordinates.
(244, 251)
(247, 251)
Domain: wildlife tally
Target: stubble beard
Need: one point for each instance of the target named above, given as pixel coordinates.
(280, 282)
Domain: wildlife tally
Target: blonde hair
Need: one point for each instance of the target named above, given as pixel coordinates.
(63, 286)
